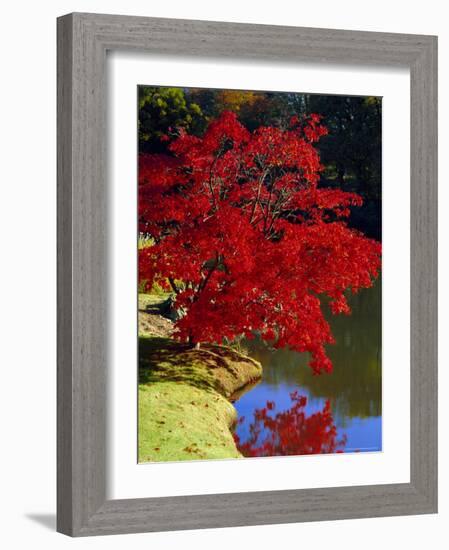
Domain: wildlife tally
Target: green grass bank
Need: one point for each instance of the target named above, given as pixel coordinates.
(185, 411)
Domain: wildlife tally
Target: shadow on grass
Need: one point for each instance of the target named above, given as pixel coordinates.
(163, 360)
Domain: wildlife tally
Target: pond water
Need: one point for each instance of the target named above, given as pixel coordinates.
(353, 390)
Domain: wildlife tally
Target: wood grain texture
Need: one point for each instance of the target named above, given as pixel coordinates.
(83, 40)
(64, 276)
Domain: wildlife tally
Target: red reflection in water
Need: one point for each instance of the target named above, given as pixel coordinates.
(291, 432)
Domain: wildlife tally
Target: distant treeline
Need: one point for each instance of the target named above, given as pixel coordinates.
(351, 153)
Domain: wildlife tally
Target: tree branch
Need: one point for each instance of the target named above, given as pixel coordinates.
(176, 290)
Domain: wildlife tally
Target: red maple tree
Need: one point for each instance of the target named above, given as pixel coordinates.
(247, 240)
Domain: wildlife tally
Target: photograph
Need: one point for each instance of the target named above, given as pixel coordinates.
(259, 262)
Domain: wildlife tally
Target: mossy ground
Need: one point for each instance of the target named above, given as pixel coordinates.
(184, 411)
(181, 422)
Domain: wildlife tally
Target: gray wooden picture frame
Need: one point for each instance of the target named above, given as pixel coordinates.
(83, 40)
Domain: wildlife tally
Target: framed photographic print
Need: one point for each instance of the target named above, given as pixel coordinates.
(246, 274)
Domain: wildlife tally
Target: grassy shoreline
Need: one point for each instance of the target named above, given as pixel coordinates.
(184, 407)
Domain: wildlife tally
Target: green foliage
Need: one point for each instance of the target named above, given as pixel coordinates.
(162, 112)
(353, 146)
(144, 241)
(254, 109)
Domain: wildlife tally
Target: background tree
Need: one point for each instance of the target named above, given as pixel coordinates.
(354, 140)
(162, 112)
(352, 152)
(254, 108)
